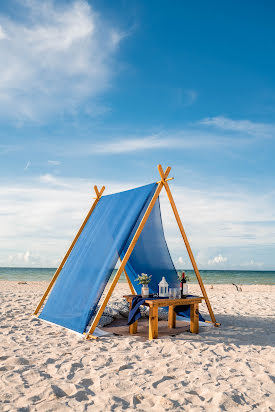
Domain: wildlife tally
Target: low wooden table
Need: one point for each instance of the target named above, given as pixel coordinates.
(172, 303)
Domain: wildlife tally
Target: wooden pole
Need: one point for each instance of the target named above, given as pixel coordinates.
(194, 318)
(190, 253)
(171, 317)
(130, 284)
(127, 254)
(55, 276)
(153, 322)
(128, 280)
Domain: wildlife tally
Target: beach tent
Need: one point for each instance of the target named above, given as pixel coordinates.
(124, 226)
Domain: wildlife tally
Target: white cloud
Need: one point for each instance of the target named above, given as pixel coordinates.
(188, 139)
(193, 138)
(217, 260)
(54, 58)
(51, 179)
(28, 259)
(243, 126)
(27, 165)
(2, 33)
(252, 264)
(188, 97)
(20, 258)
(41, 215)
(9, 148)
(131, 145)
(54, 162)
(227, 221)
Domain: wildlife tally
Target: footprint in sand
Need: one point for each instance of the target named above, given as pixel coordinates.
(162, 381)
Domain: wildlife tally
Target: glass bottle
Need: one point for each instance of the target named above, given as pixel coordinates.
(183, 286)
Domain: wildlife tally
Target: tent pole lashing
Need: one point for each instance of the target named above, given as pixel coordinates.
(55, 276)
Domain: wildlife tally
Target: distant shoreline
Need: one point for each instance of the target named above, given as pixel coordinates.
(193, 288)
(239, 277)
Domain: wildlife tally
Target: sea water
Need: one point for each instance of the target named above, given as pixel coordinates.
(243, 277)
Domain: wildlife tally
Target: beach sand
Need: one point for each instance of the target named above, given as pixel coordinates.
(47, 368)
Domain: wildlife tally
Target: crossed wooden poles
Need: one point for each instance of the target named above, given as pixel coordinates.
(162, 183)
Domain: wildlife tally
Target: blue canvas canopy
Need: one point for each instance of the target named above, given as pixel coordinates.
(106, 237)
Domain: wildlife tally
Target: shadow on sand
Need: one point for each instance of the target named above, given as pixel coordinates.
(240, 330)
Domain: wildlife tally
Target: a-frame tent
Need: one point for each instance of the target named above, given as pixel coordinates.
(119, 226)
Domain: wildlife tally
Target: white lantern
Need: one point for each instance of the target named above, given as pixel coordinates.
(163, 288)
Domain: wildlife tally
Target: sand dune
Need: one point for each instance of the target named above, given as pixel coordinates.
(47, 368)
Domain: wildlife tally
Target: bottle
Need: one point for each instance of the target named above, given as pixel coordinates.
(183, 286)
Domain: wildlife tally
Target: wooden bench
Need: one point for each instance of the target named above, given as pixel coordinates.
(171, 303)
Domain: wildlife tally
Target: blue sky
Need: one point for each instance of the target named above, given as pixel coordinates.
(102, 91)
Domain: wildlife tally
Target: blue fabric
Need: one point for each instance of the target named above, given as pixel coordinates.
(184, 310)
(151, 254)
(134, 313)
(89, 266)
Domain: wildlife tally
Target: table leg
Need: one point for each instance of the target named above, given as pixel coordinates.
(194, 317)
(171, 317)
(153, 322)
(133, 328)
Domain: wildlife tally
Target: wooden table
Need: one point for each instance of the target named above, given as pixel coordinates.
(171, 303)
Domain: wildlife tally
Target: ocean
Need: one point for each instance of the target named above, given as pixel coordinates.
(243, 277)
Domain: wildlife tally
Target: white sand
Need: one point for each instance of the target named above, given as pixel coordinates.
(46, 368)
